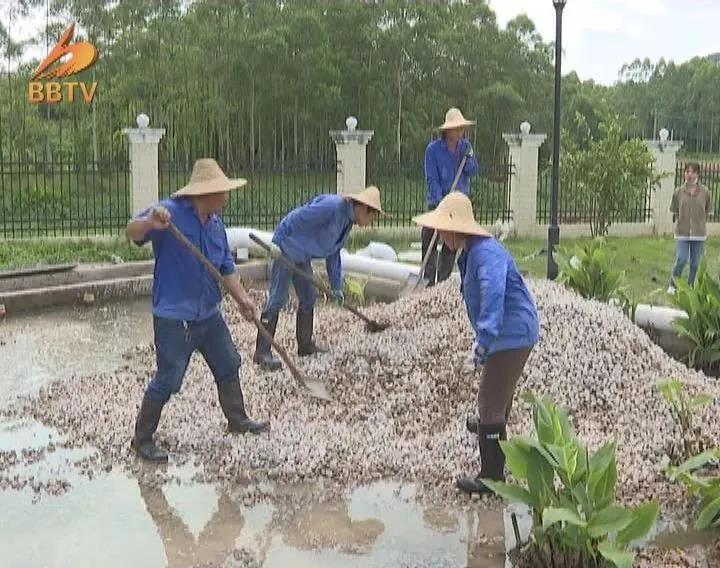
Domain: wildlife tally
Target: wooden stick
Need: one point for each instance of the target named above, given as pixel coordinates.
(316, 389)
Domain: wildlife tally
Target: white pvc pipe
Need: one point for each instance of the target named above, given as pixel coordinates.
(657, 321)
(389, 270)
(239, 238)
(657, 317)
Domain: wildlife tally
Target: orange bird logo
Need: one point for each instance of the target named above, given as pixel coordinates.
(82, 55)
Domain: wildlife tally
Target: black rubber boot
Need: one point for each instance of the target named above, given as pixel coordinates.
(492, 460)
(145, 425)
(263, 356)
(304, 333)
(233, 406)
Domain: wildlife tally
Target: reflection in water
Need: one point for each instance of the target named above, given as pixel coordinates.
(328, 526)
(215, 542)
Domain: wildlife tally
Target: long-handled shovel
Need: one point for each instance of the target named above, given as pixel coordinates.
(315, 388)
(372, 325)
(433, 241)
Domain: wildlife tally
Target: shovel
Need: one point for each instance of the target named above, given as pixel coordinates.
(410, 288)
(315, 388)
(372, 325)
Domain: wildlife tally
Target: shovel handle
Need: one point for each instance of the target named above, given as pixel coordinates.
(458, 173)
(258, 324)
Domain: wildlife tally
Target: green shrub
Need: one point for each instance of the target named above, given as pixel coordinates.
(682, 407)
(701, 303)
(590, 273)
(707, 488)
(576, 521)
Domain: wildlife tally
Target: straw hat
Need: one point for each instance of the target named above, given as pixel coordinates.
(454, 214)
(369, 196)
(207, 178)
(455, 119)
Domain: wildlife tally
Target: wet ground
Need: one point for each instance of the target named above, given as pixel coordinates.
(111, 520)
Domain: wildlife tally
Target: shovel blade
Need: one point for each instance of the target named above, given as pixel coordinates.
(376, 327)
(317, 390)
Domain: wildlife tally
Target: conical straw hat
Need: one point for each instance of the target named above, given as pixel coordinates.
(455, 119)
(369, 196)
(207, 178)
(453, 214)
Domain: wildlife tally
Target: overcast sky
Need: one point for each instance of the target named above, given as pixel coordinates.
(599, 36)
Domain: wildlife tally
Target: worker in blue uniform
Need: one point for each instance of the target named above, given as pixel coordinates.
(318, 229)
(504, 318)
(442, 161)
(186, 299)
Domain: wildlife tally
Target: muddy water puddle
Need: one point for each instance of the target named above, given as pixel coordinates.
(112, 520)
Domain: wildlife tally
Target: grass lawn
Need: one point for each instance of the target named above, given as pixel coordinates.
(27, 253)
(646, 260)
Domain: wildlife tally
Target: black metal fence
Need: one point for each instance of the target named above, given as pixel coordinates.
(575, 205)
(710, 178)
(79, 196)
(404, 193)
(271, 191)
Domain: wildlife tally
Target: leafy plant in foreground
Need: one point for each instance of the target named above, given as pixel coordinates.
(571, 492)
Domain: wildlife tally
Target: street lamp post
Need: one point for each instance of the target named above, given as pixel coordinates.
(554, 229)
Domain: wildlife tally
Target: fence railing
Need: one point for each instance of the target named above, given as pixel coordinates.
(576, 206)
(404, 193)
(710, 178)
(269, 195)
(40, 198)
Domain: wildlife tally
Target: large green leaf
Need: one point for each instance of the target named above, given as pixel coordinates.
(517, 456)
(553, 515)
(533, 443)
(619, 557)
(566, 457)
(709, 514)
(695, 462)
(540, 478)
(608, 520)
(643, 518)
(603, 476)
(510, 492)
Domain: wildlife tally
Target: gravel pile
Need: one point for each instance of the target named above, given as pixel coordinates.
(401, 397)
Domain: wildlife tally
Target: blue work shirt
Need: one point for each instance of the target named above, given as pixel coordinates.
(441, 164)
(183, 289)
(500, 307)
(318, 229)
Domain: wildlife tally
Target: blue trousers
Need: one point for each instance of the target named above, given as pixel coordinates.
(280, 278)
(684, 250)
(175, 342)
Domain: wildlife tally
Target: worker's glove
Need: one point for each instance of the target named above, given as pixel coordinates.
(338, 297)
(479, 355)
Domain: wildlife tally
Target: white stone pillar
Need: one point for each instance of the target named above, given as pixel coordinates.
(351, 146)
(524, 148)
(665, 153)
(144, 177)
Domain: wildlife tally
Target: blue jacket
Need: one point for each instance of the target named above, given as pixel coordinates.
(183, 289)
(501, 310)
(440, 167)
(318, 229)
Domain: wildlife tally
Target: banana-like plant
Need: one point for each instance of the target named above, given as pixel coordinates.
(576, 521)
(701, 303)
